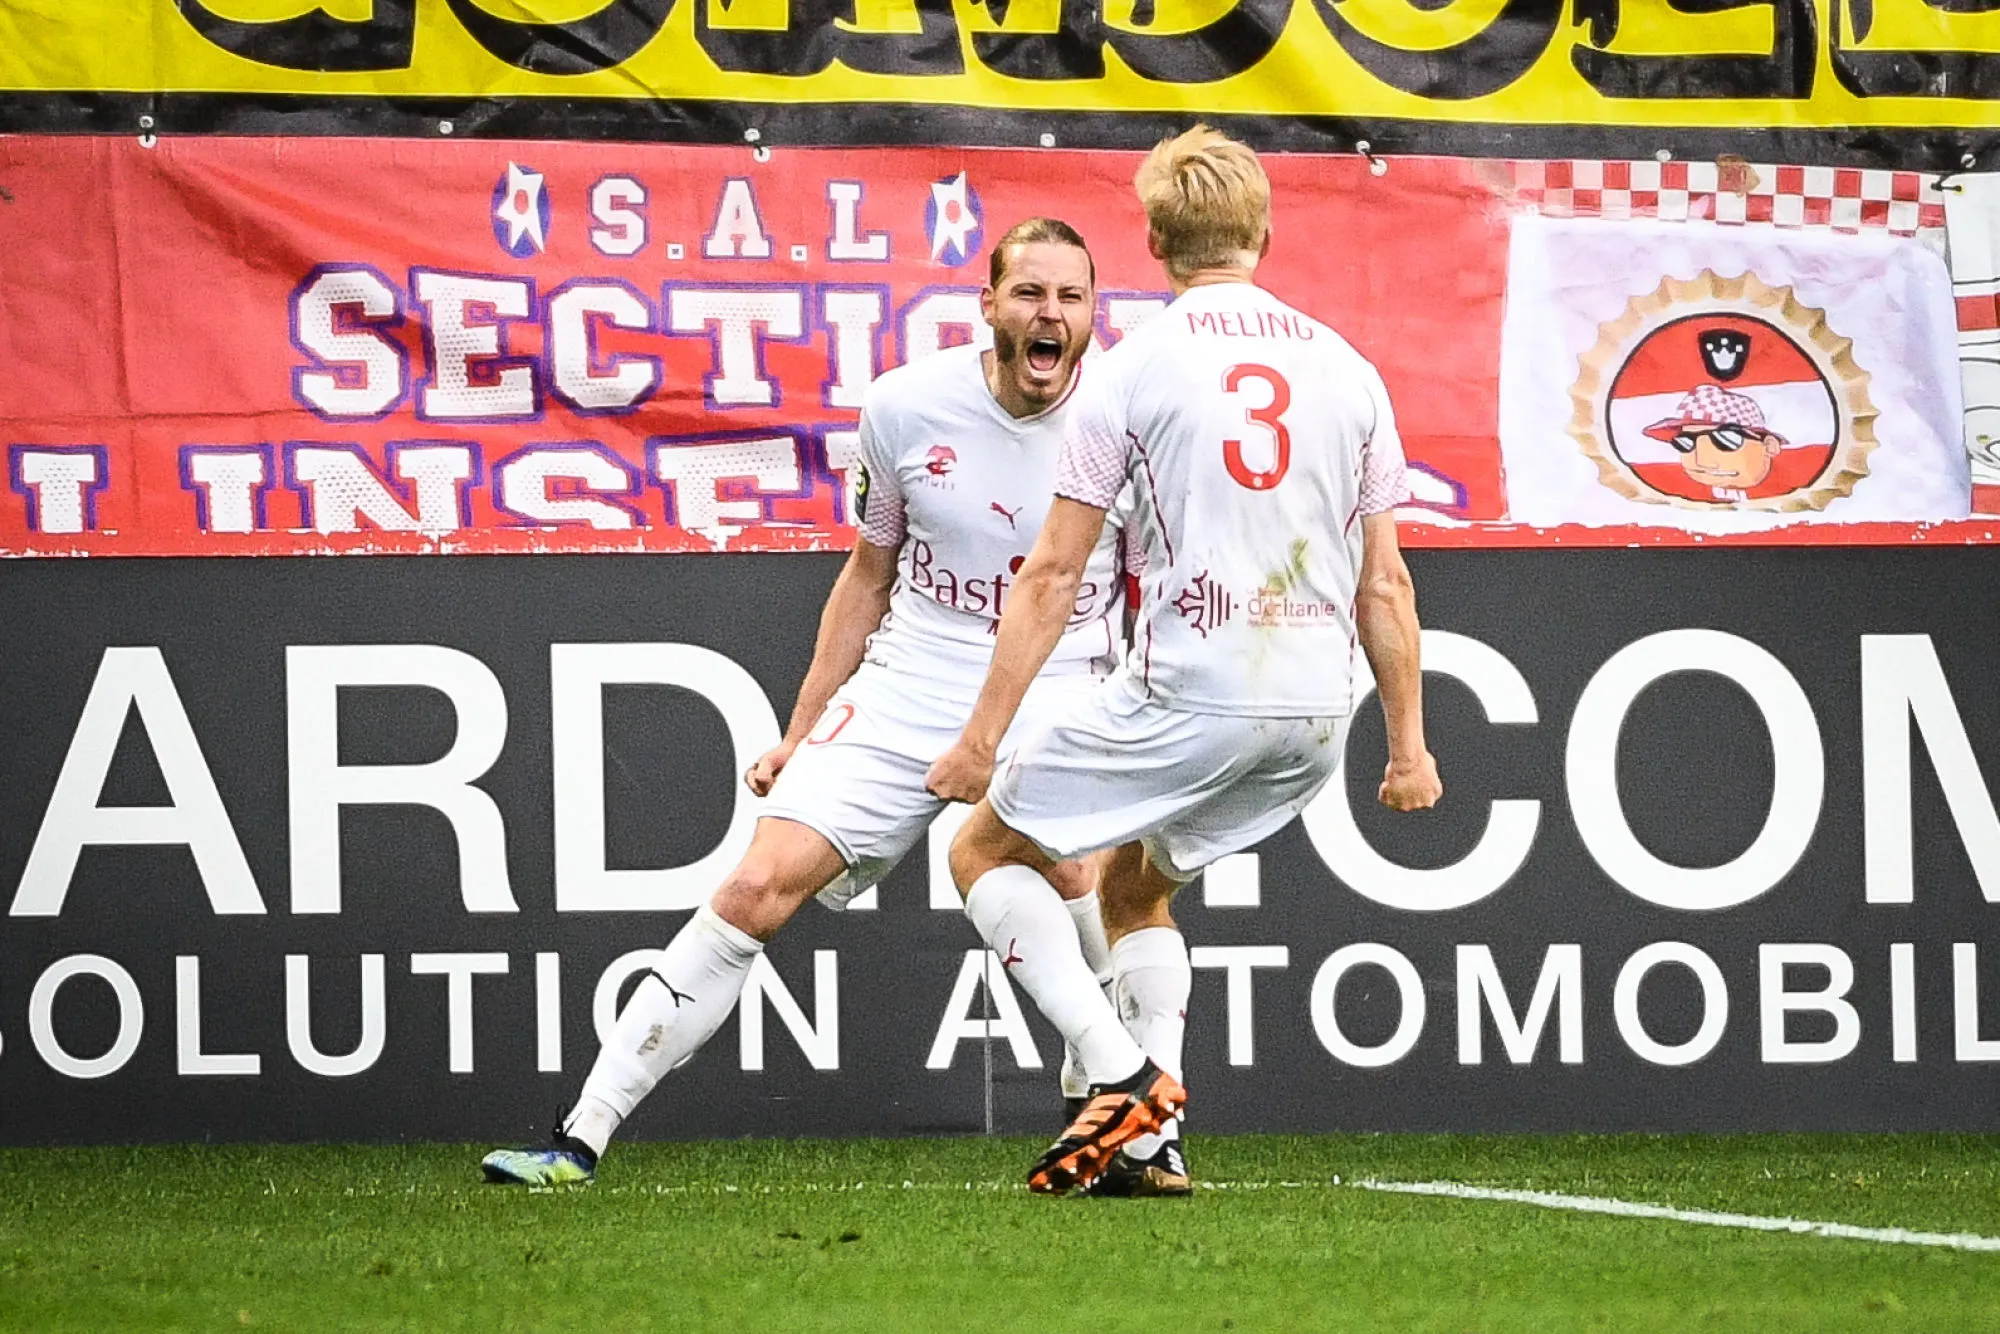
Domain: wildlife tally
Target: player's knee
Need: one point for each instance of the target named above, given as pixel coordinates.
(1073, 879)
(765, 878)
(761, 895)
(968, 862)
(984, 844)
(975, 849)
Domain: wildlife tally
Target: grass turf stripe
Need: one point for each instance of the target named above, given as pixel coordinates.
(1963, 1241)
(1593, 1204)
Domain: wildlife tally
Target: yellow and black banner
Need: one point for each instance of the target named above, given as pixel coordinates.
(1902, 82)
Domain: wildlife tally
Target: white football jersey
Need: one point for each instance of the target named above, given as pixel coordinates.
(1255, 438)
(962, 488)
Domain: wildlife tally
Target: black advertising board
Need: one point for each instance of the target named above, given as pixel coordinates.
(1718, 852)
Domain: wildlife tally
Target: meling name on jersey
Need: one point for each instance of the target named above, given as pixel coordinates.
(981, 596)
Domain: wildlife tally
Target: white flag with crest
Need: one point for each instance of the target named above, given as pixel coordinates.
(1727, 378)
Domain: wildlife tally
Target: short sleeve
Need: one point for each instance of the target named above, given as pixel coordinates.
(878, 492)
(1385, 481)
(1095, 449)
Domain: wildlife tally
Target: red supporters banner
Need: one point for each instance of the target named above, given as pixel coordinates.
(245, 346)
(263, 346)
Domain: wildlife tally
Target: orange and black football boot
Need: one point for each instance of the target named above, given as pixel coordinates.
(1115, 1113)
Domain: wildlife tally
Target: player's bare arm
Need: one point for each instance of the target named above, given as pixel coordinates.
(1386, 621)
(854, 611)
(1043, 597)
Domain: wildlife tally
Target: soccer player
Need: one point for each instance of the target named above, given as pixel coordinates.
(957, 464)
(1267, 468)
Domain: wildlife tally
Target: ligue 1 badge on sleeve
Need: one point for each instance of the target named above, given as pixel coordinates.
(1724, 394)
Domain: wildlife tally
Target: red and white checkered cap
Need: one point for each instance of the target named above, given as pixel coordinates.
(1712, 405)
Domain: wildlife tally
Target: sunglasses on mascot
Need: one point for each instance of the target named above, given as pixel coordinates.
(1729, 439)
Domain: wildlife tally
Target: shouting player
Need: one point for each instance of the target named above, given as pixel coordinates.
(1267, 469)
(958, 461)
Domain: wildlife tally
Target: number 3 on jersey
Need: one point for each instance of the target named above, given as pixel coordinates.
(1270, 417)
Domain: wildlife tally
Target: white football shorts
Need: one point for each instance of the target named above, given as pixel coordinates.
(858, 779)
(1193, 787)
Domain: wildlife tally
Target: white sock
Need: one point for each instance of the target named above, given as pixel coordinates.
(593, 1121)
(1089, 920)
(677, 1007)
(1020, 915)
(1074, 1082)
(1151, 978)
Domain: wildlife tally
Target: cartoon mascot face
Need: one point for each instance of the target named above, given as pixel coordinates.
(1721, 436)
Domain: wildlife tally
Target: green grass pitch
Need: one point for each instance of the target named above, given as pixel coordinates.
(889, 1235)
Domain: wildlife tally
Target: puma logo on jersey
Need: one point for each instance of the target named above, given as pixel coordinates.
(1005, 513)
(678, 996)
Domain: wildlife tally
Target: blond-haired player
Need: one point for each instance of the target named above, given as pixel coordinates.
(1267, 469)
(958, 458)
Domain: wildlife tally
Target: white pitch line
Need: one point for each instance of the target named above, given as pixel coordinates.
(1593, 1204)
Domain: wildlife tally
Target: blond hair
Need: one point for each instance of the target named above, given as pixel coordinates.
(1207, 201)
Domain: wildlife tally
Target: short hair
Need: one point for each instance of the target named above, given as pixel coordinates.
(1033, 231)
(1207, 200)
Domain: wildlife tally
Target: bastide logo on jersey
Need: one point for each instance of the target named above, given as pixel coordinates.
(521, 212)
(1724, 393)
